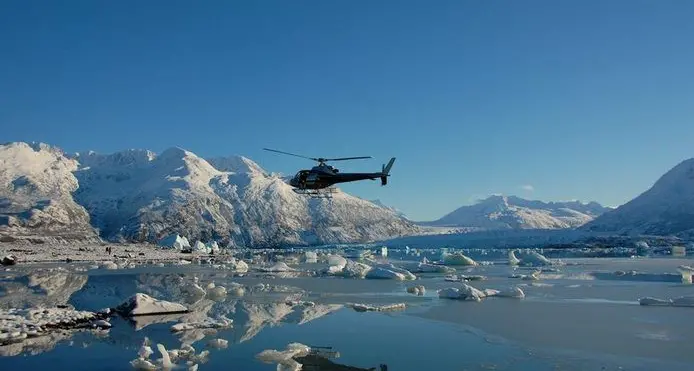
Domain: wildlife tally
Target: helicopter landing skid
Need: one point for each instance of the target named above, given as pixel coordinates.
(316, 193)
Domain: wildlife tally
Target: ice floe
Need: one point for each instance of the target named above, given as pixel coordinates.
(376, 308)
(285, 359)
(681, 301)
(143, 304)
(686, 272)
(469, 293)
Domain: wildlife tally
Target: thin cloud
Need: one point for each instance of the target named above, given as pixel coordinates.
(528, 188)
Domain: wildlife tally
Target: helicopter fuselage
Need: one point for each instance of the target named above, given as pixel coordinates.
(320, 177)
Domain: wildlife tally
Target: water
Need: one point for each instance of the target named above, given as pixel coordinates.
(573, 320)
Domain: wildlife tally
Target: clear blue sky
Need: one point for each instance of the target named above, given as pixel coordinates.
(589, 100)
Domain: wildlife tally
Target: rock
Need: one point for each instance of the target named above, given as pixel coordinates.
(9, 260)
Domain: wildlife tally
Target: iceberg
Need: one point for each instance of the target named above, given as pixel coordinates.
(686, 272)
(458, 258)
(466, 292)
(142, 304)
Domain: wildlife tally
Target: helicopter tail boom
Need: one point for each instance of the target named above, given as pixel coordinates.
(386, 171)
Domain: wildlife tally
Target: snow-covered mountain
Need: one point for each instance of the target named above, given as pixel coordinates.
(36, 183)
(667, 208)
(510, 212)
(393, 209)
(137, 195)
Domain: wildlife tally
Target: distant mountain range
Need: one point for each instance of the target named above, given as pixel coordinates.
(510, 212)
(667, 208)
(137, 195)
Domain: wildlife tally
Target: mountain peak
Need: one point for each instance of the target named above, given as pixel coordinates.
(513, 212)
(667, 208)
(236, 164)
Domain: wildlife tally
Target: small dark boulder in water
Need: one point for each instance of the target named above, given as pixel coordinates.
(9, 260)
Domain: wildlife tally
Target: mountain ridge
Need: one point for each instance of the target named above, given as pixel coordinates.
(666, 208)
(498, 212)
(137, 195)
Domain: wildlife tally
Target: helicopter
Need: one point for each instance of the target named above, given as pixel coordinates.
(319, 180)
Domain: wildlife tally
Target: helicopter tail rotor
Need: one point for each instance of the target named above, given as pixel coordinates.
(385, 173)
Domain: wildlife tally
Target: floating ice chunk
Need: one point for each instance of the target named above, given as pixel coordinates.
(514, 292)
(535, 259)
(354, 269)
(458, 258)
(311, 257)
(466, 292)
(654, 301)
(165, 359)
(377, 308)
(384, 251)
(490, 292)
(218, 343)
(417, 290)
(220, 323)
(424, 267)
(284, 359)
(217, 292)
(390, 271)
(193, 367)
(382, 273)
(683, 301)
(337, 260)
(108, 265)
(142, 364)
(145, 351)
(512, 259)
(686, 272)
(278, 267)
(141, 304)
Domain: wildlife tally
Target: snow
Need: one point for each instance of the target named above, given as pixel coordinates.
(510, 212)
(664, 209)
(142, 304)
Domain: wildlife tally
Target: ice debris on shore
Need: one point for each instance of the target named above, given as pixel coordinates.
(19, 324)
(681, 301)
(143, 304)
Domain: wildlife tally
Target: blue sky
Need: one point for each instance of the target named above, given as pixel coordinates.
(589, 100)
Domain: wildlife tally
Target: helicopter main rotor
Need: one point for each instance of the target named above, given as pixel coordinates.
(320, 160)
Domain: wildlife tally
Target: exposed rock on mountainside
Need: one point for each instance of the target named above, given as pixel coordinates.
(137, 195)
(36, 183)
(667, 208)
